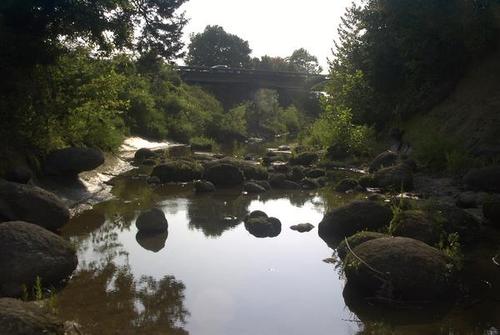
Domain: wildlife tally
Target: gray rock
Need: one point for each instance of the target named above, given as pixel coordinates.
(203, 186)
(178, 171)
(485, 179)
(252, 187)
(72, 161)
(304, 158)
(28, 251)
(144, 153)
(260, 225)
(32, 204)
(385, 159)
(302, 227)
(224, 175)
(27, 318)
(152, 221)
(399, 177)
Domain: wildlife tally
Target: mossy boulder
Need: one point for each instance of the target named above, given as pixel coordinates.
(19, 202)
(355, 240)
(416, 224)
(27, 318)
(260, 225)
(224, 175)
(72, 161)
(352, 218)
(385, 159)
(484, 179)
(399, 269)
(28, 252)
(152, 221)
(178, 171)
(399, 177)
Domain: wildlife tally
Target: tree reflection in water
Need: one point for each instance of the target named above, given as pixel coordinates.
(110, 300)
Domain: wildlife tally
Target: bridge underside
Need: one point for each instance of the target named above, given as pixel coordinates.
(250, 78)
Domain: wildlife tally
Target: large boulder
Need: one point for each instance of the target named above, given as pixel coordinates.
(456, 220)
(353, 241)
(399, 269)
(260, 225)
(224, 175)
(143, 154)
(154, 242)
(28, 251)
(416, 224)
(203, 186)
(491, 211)
(72, 161)
(385, 159)
(398, 177)
(152, 221)
(27, 318)
(352, 218)
(251, 170)
(32, 204)
(302, 227)
(485, 179)
(178, 171)
(19, 174)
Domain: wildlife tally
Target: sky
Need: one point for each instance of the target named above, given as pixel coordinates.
(272, 27)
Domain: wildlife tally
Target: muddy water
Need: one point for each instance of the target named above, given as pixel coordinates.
(209, 275)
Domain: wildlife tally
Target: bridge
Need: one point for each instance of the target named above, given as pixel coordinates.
(293, 81)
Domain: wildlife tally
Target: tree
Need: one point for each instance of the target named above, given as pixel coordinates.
(302, 61)
(214, 46)
(268, 63)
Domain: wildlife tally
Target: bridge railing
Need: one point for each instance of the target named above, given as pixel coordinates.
(206, 69)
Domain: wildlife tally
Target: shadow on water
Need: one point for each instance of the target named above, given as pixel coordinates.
(152, 241)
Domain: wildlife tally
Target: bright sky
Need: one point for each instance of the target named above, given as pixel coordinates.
(272, 27)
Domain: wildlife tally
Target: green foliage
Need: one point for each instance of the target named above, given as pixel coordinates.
(335, 127)
(395, 58)
(300, 61)
(215, 46)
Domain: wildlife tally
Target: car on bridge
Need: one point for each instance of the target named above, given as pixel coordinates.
(220, 67)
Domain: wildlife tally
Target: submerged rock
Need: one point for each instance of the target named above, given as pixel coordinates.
(152, 221)
(32, 204)
(224, 175)
(72, 161)
(28, 251)
(260, 225)
(346, 185)
(27, 318)
(355, 240)
(302, 227)
(352, 218)
(485, 179)
(203, 186)
(178, 171)
(252, 187)
(385, 159)
(399, 269)
(151, 241)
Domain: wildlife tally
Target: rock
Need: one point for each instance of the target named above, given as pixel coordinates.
(19, 174)
(399, 269)
(28, 251)
(416, 224)
(32, 204)
(72, 161)
(315, 173)
(337, 152)
(397, 177)
(352, 218)
(178, 171)
(456, 220)
(224, 175)
(467, 200)
(284, 148)
(262, 183)
(304, 158)
(179, 151)
(153, 180)
(251, 170)
(149, 162)
(485, 179)
(355, 240)
(385, 159)
(302, 227)
(491, 211)
(152, 221)
(310, 184)
(152, 241)
(376, 197)
(144, 153)
(290, 185)
(27, 318)
(280, 167)
(296, 173)
(277, 180)
(367, 181)
(252, 187)
(203, 186)
(259, 225)
(346, 185)
(205, 147)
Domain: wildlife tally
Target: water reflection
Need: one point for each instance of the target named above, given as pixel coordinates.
(151, 241)
(109, 300)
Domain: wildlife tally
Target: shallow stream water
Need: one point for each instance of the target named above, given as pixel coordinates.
(209, 275)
